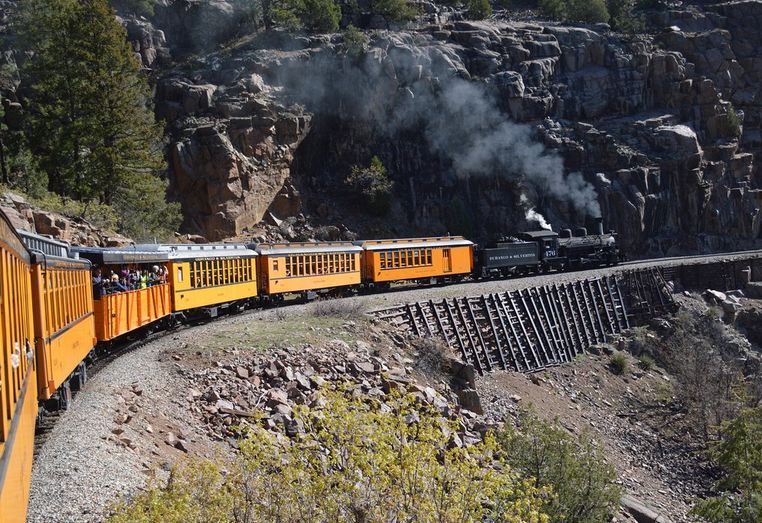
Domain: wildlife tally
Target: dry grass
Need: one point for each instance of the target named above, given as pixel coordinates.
(347, 309)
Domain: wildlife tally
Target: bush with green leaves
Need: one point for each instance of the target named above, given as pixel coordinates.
(394, 10)
(734, 123)
(591, 11)
(354, 462)
(144, 214)
(479, 9)
(137, 7)
(625, 16)
(355, 41)
(618, 363)
(553, 9)
(574, 468)
(316, 16)
(372, 186)
(739, 453)
(646, 362)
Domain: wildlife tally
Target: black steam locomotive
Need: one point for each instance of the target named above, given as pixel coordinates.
(541, 251)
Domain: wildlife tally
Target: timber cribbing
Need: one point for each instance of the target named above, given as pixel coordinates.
(529, 329)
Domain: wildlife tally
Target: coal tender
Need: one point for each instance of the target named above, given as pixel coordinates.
(506, 257)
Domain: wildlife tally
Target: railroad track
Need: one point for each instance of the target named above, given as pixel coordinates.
(525, 330)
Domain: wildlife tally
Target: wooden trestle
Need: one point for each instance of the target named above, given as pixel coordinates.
(530, 329)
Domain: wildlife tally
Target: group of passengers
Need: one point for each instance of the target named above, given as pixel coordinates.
(127, 280)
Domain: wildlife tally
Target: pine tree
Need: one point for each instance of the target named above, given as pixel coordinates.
(739, 453)
(87, 101)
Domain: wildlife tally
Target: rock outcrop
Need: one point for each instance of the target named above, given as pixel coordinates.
(663, 127)
(655, 139)
(25, 216)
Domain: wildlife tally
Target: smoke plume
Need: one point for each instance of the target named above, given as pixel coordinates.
(460, 119)
(480, 140)
(532, 215)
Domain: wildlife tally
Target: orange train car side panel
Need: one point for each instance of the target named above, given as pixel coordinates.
(16, 453)
(64, 321)
(18, 386)
(416, 259)
(120, 313)
(285, 268)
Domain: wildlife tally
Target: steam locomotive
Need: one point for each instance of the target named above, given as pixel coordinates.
(544, 250)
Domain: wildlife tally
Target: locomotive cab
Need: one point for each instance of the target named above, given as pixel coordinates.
(547, 245)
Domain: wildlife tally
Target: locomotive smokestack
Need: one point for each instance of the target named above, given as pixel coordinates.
(598, 226)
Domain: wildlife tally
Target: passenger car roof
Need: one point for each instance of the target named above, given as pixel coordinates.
(272, 249)
(160, 253)
(413, 243)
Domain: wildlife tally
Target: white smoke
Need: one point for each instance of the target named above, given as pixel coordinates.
(532, 215)
(461, 120)
(480, 140)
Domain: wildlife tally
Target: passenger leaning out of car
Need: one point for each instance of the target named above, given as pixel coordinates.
(99, 288)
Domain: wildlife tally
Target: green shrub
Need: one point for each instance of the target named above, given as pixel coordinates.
(24, 174)
(734, 122)
(581, 482)
(137, 7)
(394, 10)
(479, 9)
(624, 16)
(591, 11)
(143, 211)
(646, 362)
(372, 185)
(553, 9)
(355, 41)
(618, 363)
(317, 16)
(320, 16)
(286, 17)
(739, 453)
(354, 462)
(99, 215)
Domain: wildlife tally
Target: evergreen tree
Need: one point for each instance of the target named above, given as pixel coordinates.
(739, 453)
(137, 7)
(88, 119)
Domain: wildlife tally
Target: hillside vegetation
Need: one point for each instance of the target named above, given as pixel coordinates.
(87, 131)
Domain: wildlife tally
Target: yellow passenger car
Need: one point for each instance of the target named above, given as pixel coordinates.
(211, 275)
(304, 267)
(18, 378)
(63, 318)
(416, 259)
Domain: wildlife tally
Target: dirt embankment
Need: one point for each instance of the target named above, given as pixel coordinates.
(189, 392)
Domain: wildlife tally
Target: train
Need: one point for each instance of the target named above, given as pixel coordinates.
(60, 304)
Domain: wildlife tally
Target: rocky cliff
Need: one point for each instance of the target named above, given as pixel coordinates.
(480, 124)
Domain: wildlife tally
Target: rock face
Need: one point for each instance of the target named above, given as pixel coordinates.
(659, 133)
(26, 217)
(646, 124)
